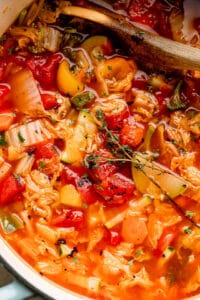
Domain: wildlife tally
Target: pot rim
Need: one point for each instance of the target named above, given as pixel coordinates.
(42, 285)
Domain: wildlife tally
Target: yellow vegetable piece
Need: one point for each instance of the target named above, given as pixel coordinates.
(145, 173)
(96, 45)
(70, 196)
(68, 83)
(83, 137)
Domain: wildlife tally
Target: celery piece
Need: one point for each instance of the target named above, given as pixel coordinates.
(10, 222)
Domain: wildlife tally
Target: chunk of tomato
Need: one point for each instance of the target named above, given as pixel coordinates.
(77, 176)
(132, 132)
(11, 189)
(44, 68)
(115, 121)
(69, 218)
(45, 151)
(49, 101)
(144, 12)
(116, 189)
(114, 237)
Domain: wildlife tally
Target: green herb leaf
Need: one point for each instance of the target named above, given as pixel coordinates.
(2, 140)
(41, 165)
(20, 137)
(176, 102)
(188, 230)
(190, 214)
(83, 99)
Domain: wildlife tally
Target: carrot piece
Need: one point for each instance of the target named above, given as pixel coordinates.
(134, 230)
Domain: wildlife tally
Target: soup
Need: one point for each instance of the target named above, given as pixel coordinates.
(99, 157)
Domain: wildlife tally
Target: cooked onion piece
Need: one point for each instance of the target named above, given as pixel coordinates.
(25, 93)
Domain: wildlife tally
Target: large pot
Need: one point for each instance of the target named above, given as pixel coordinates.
(13, 261)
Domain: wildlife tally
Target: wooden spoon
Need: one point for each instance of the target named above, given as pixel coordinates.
(9, 11)
(151, 49)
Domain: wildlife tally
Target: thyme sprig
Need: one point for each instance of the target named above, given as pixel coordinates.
(113, 143)
(123, 153)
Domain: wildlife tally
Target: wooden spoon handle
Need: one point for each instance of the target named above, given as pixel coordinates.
(9, 11)
(152, 49)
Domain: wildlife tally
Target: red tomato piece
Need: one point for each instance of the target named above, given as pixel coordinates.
(87, 191)
(71, 175)
(11, 189)
(76, 176)
(116, 189)
(103, 169)
(114, 237)
(115, 121)
(44, 68)
(162, 101)
(143, 12)
(49, 101)
(132, 132)
(108, 48)
(140, 80)
(69, 218)
(45, 151)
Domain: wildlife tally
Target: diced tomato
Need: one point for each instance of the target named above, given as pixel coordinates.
(44, 68)
(108, 48)
(114, 237)
(45, 151)
(103, 168)
(87, 191)
(49, 101)
(17, 59)
(162, 101)
(115, 121)
(11, 189)
(71, 175)
(103, 171)
(142, 11)
(140, 80)
(132, 132)
(76, 176)
(134, 230)
(69, 218)
(116, 189)
(166, 239)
